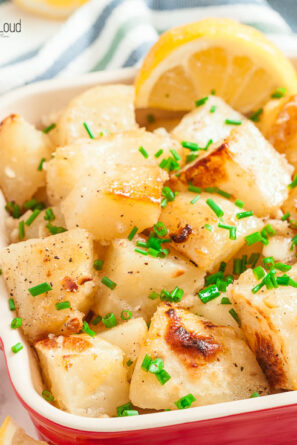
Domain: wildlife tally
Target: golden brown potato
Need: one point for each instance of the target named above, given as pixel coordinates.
(105, 109)
(246, 166)
(73, 162)
(110, 204)
(22, 148)
(65, 262)
(268, 319)
(138, 276)
(203, 359)
(86, 375)
(188, 225)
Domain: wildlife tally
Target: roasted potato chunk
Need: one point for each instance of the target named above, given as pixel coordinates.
(65, 262)
(37, 229)
(104, 108)
(201, 125)
(85, 375)
(110, 204)
(246, 166)
(203, 359)
(128, 336)
(189, 229)
(22, 148)
(138, 276)
(268, 319)
(74, 162)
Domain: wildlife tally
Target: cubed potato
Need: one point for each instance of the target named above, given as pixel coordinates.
(65, 262)
(85, 374)
(280, 246)
(203, 359)
(290, 205)
(105, 109)
(200, 125)
(246, 166)
(110, 204)
(128, 336)
(187, 224)
(137, 276)
(73, 162)
(22, 147)
(279, 126)
(268, 319)
(37, 229)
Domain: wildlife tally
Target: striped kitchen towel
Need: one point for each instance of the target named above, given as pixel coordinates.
(107, 34)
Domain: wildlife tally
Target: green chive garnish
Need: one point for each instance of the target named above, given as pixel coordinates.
(168, 193)
(49, 128)
(11, 304)
(190, 158)
(259, 272)
(213, 108)
(278, 93)
(109, 283)
(255, 394)
(239, 203)
(150, 118)
(194, 189)
(21, 229)
(122, 408)
(17, 347)
(185, 402)
(63, 305)
(286, 216)
(146, 362)
(13, 209)
(194, 200)
(129, 363)
(222, 267)
(202, 101)
(253, 259)
(293, 183)
(209, 293)
(40, 289)
(87, 330)
(234, 314)
(96, 320)
(40, 166)
(54, 230)
(175, 154)
(32, 217)
(109, 320)
(132, 233)
(214, 207)
(282, 267)
(241, 215)
(160, 229)
(49, 215)
(16, 323)
(88, 130)
(208, 227)
(126, 315)
(232, 122)
(141, 251)
(225, 300)
(159, 153)
(143, 152)
(98, 264)
(255, 117)
(237, 266)
(163, 376)
(253, 238)
(47, 395)
(153, 295)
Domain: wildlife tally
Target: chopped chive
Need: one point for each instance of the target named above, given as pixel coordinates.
(259, 272)
(175, 154)
(159, 153)
(282, 267)
(108, 283)
(40, 166)
(16, 323)
(286, 216)
(209, 293)
(150, 118)
(130, 412)
(126, 315)
(146, 362)
(232, 122)
(143, 252)
(160, 229)
(279, 92)
(268, 262)
(194, 189)
(239, 203)
(237, 265)
(253, 238)
(253, 259)
(153, 295)
(132, 233)
(255, 117)
(96, 320)
(232, 230)
(234, 314)
(185, 402)
(49, 128)
(21, 229)
(213, 108)
(163, 376)
(32, 217)
(31, 204)
(49, 215)
(211, 279)
(292, 282)
(0, 271)
(190, 158)
(241, 215)
(143, 152)
(214, 207)
(194, 200)
(269, 230)
(255, 394)
(98, 264)
(222, 267)
(63, 305)
(122, 408)
(190, 145)
(141, 244)
(11, 304)
(201, 101)
(156, 366)
(293, 183)
(13, 209)
(129, 363)
(17, 347)
(168, 193)
(208, 227)
(257, 287)
(54, 230)
(225, 300)
(87, 330)
(164, 203)
(243, 263)
(223, 193)
(40, 289)
(212, 92)
(88, 130)
(47, 395)
(109, 320)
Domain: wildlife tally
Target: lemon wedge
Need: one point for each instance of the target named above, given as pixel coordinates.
(234, 61)
(11, 433)
(54, 9)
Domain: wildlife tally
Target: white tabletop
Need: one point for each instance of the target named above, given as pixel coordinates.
(9, 404)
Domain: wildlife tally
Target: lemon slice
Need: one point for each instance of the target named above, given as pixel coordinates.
(236, 61)
(11, 433)
(54, 9)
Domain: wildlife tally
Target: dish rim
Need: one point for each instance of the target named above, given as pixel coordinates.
(18, 365)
